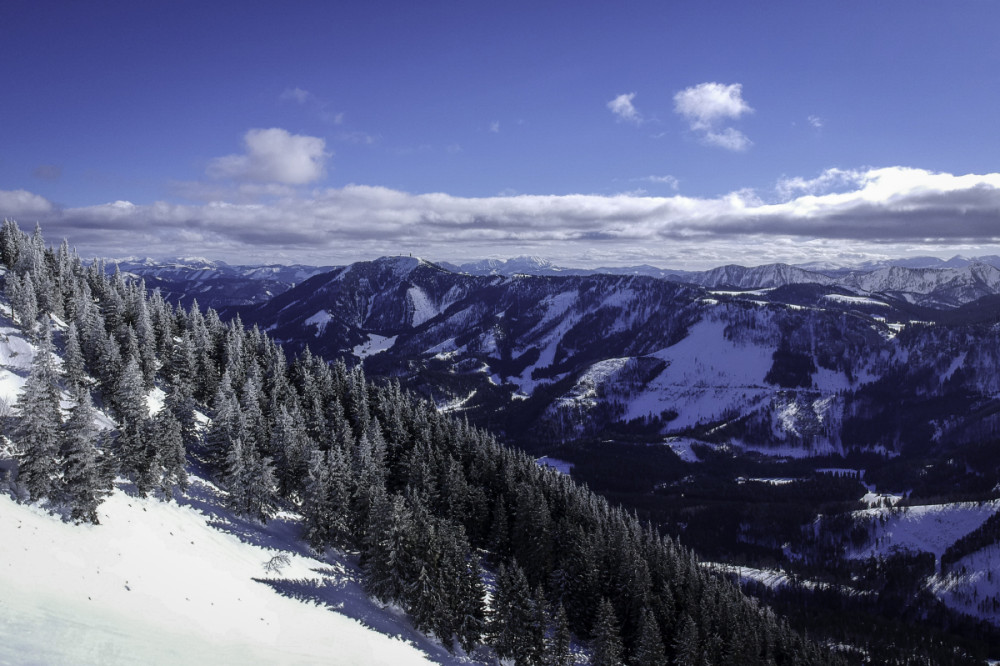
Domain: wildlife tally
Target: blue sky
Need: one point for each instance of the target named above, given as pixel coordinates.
(679, 134)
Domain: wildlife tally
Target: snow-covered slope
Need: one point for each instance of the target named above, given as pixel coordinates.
(183, 583)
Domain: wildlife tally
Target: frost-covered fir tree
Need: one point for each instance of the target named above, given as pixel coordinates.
(686, 648)
(21, 293)
(136, 457)
(168, 442)
(224, 428)
(607, 642)
(292, 450)
(326, 501)
(83, 483)
(557, 642)
(37, 433)
(250, 481)
(73, 361)
(472, 621)
(511, 617)
(649, 648)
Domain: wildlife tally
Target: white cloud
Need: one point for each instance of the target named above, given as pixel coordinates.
(274, 156)
(729, 138)
(23, 203)
(297, 95)
(706, 104)
(670, 181)
(829, 181)
(815, 121)
(707, 107)
(868, 212)
(495, 127)
(622, 107)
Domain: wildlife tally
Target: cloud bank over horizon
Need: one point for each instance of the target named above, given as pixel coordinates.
(840, 215)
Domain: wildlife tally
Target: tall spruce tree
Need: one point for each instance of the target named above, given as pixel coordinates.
(40, 420)
(649, 647)
(558, 640)
(250, 481)
(83, 484)
(607, 644)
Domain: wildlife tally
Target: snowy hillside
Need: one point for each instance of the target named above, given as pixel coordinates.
(178, 582)
(182, 583)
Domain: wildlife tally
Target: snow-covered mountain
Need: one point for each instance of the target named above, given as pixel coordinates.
(215, 283)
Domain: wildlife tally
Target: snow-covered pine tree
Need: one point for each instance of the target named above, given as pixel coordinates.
(74, 365)
(511, 617)
(250, 481)
(224, 427)
(607, 644)
(472, 622)
(168, 441)
(649, 647)
(387, 547)
(136, 457)
(292, 450)
(38, 431)
(83, 484)
(557, 642)
(23, 301)
(685, 645)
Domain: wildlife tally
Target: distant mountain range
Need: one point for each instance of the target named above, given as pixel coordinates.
(922, 281)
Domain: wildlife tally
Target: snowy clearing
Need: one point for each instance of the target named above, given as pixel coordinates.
(376, 344)
(319, 320)
(930, 528)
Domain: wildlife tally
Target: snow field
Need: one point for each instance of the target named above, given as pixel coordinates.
(374, 345)
(160, 583)
(929, 528)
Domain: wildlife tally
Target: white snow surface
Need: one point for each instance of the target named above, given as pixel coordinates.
(319, 320)
(929, 528)
(585, 391)
(706, 375)
(375, 344)
(423, 307)
(159, 583)
(972, 584)
(854, 300)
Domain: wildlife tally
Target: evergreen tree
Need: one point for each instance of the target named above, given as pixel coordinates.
(250, 481)
(73, 362)
(83, 484)
(388, 548)
(224, 427)
(649, 648)
(472, 622)
(326, 501)
(686, 650)
(135, 457)
(21, 294)
(38, 428)
(168, 441)
(557, 644)
(607, 639)
(292, 450)
(511, 617)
